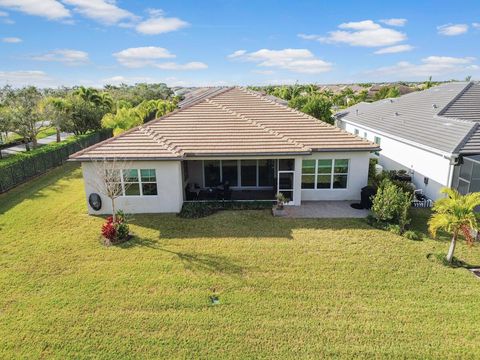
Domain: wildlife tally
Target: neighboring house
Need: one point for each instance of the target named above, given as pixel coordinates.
(433, 134)
(236, 139)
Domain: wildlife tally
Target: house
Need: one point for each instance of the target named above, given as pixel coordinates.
(235, 139)
(433, 134)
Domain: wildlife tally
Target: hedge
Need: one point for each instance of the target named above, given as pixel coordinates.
(21, 167)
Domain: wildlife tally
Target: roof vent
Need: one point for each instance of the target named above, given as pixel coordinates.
(356, 112)
(434, 106)
(396, 113)
(391, 100)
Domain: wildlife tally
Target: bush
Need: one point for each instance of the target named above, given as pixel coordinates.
(392, 205)
(116, 231)
(411, 235)
(193, 210)
(394, 229)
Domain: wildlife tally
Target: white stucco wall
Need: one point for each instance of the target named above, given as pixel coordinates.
(421, 163)
(357, 177)
(169, 188)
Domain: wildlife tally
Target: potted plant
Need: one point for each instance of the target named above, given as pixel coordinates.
(281, 200)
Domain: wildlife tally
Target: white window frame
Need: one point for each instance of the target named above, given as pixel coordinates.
(332, 174)
(140, 183)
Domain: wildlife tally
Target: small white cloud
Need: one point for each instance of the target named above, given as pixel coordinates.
(142, 56)
(66, 56)
(237, 54)
(120, 79)
(11, 40)
(194, 65)
(394, 49)
(452, 29)
(476, 25)
(158, 23)
(394, 22)
(103, 11)
(263, 72)
(3, 14)
(50, 9)
(364, 33)
(295, 60)
(429, 66)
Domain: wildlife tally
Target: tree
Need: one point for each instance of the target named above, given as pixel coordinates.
(428, 84)
(25, 113)
(455, 214)
(319, 107)
(87, 108)
(5, 125)
(58, 111)
(108, 180)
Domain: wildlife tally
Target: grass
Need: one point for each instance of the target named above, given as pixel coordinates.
(287, 287)
(48, 131)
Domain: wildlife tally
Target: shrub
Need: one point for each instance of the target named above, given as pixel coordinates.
(392, 205)
(192, 210)
(372, 171)
(394, 229)
(115, 231)
(411, 235)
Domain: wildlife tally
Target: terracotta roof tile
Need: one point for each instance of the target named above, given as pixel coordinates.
(230, 122)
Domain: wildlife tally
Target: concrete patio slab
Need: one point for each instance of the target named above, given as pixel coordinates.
(325, 209)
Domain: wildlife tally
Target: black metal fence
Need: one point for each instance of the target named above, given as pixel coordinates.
(35, 164)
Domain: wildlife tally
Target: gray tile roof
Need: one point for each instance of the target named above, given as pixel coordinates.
(440, 117)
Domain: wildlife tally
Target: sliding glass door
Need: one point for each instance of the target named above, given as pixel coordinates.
(248, 173)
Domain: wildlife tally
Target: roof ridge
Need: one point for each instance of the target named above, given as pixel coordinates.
(455, 98)
(467, 137)
(253, 122)
(264, 98)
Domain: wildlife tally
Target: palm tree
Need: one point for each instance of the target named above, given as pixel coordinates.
(455, 214)
(57, 110)
(428, 84)
(88, 94)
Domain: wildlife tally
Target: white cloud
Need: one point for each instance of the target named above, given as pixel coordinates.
(149, 56)
(263, 72)
(120, 79)
(194, 65)
(295, 60)
(104, 11)
(394, 49)
(452, 29)
(364, 33)
(394, 22)
(25, 77)
(11, 40)
(158, 23)
(3, 14)
(50, 9)
(142, 56)
(429, 66)
(66, 56)
(476, 25)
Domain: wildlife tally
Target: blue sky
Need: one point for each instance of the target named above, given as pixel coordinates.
(229, 42)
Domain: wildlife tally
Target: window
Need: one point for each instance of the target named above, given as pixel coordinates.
(377, 141)
(148, 181)
(265, 172)
(230, 172)
(356, 131)
(212, 172)
(365, 135)
(248, 172)
(135, 185)
(308, 174)
(325, 174)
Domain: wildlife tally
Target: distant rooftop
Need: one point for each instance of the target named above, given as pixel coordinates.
(443, 117)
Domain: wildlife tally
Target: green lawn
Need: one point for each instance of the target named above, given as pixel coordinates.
(288, 288)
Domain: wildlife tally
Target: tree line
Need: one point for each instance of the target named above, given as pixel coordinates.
(29, 110)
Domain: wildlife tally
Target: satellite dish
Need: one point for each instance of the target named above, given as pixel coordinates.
(95, 201)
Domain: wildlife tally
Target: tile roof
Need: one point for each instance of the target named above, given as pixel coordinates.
(227, 122)
(439, 117)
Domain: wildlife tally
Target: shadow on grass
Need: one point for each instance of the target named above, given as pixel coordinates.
(455, 264)
(191, 260)
(32, 189)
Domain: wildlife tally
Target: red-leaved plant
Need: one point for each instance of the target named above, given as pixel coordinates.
(115, 231)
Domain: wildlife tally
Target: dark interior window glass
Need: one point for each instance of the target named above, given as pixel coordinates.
(249, 172)
(265, 172)
(212, 172)
(286, 164)
(230, 172)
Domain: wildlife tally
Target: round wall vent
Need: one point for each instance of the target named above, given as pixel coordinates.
(95, 201)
